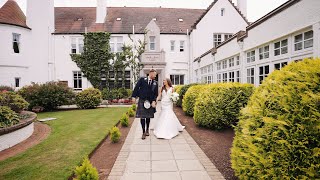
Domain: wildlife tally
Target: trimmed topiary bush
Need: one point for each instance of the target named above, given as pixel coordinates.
(134, 107)
(8, 117)
(89, 98)
(13, 100)
(220, 104)
(124, 120)
(131, 112)
(278, 136)
(182, 92)
(190, 97)
(115, 135)
(49, 95)
(86, 171)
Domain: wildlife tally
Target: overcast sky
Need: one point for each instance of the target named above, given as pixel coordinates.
(256, 8)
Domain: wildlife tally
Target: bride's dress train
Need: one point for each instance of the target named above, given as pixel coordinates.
(167, 124)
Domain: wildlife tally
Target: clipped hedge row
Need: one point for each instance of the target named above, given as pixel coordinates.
(219, 105)
(278, 136)
(182, 92)
(190, 98)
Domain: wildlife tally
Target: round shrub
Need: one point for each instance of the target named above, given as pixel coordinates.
(8, 117)
(278, 135)
(190, 97)
(89, 98)
(13, 100)
(130, 112)
(220, 104)
(49, 95)
(124, 120)
(86, 171)
(182, 92)
(115, 135)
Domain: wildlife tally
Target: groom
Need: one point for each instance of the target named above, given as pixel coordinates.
(147, 91)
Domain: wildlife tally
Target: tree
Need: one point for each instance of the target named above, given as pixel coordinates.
(94, 62)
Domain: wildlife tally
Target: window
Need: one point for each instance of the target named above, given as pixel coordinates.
(127, 84)
(238, 60)
(216, 40)
(224, 64)
(16, 42)
(17, 82)
(227, 36)
(209, 80)
(231, 76)
(231, 62)
(177, 79)
(222, 11)
(264, 52)
(172, 45)
(77, 80)
(279, 66)
(152, 43)
(281, 47)
(263, 73)
(127, 74)
(116, 44)
(218, 78)
(303, 41)
(77, 45)
(218, 65)
(250, 75)
(225, 77)
(251, 56)
(181, 46)
(237, 76)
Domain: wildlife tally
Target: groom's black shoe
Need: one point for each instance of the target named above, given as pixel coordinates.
(147, 133)
(143, 136)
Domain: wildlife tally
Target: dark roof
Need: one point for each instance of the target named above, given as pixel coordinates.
(69, 20)
(208, 9)
(10, 13)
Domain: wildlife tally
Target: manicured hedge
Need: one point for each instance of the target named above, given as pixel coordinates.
(278, 136)
(220, 104)
(182, 92)
(89, 98)
(190, 97)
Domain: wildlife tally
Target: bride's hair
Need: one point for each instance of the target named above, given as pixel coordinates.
(169, 84)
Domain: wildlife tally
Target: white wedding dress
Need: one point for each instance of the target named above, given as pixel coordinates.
(167, 124)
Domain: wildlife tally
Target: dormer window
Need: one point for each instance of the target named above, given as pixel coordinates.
(119, 19)
(180, 20)
(222, 11)
(16, 42)
(154, 19)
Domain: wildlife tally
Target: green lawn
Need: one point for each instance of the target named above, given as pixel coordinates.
(74, 135)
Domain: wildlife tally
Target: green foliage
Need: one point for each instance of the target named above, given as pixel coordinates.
(6, 88)
(89, 98)
(134, 107)
(131, 112)
(86, 171)
(219, 105)
(182, 92)
(8, 117)
(13, 100)
(177, 88)
(94, 62)
(106, 94)
(123, 93)
(278, 133)
(49, 95)
(190, 98)
(115, 135)
(129, 93)
(124, 120)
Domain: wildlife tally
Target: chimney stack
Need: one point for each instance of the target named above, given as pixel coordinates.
(242, 5)
(101, 11)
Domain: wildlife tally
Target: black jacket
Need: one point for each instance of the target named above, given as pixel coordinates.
(144, 91)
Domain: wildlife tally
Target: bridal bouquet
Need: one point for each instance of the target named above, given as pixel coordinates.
(174, 97)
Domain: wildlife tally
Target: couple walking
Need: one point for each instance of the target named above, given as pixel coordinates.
(167, 124)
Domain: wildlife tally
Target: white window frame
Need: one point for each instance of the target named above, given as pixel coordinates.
(263, 74)
(237, 76)
(182, 46)
(231, 76)
(302, 43)
(217, 39)
(237, 60)
(225, 64)
(281, 65)
(16, 39)
(219, 78)
(17, 82)
(77, 76)
(180, 77)
(227, 36)
(282, 47)
(172, 45)
(264, 52)
(209, 80)
(116, 44)
(251, 56)
(225, 77)
(219, 65)
(152, 43)
(77, 44)
(250, 75)
(223, 10)
(231, 62)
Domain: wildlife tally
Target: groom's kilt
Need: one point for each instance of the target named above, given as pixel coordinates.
(143, 112)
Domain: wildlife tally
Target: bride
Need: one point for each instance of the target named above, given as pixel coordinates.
(167, 124)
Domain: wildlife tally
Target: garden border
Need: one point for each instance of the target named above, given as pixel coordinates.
(22, 124)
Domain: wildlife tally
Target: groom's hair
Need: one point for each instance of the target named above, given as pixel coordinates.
(152, 70)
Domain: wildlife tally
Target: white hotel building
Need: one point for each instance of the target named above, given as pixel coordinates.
(188, 45)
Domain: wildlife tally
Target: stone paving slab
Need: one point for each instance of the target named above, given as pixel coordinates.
(157, 159)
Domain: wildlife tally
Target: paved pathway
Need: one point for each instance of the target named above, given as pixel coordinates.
(156, 159)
